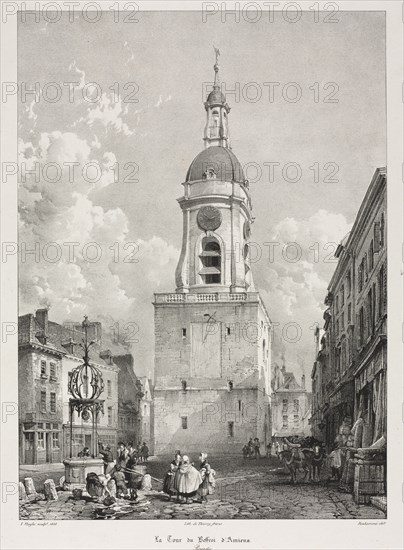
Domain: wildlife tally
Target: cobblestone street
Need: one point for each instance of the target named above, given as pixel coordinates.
(249, 489)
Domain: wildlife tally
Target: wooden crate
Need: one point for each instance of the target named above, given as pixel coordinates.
(369, 480)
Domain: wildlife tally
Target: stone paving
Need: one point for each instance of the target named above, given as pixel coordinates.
(244, 490)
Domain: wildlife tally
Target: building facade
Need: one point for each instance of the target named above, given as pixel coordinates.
(291, 405)
(349, 374)
(39, 392)
(318, 386)
(48, 353)
(130, 394)
(371, 312)
(212, 335)
(147, 414)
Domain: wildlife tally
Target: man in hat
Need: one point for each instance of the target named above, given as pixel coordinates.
(108, 457)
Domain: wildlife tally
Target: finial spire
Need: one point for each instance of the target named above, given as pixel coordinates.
(216, 66)
(216, 129)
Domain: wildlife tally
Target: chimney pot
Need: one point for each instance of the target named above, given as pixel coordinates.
(41, 316)
(107, 356)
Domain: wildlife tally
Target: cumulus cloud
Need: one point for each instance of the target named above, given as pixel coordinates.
(83, 260)
(160, 100)
(109, 112)
(82, 74)
(295, 284)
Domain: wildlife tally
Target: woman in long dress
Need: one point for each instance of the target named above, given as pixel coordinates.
(207, 486)
(187, 480)
(168, 486)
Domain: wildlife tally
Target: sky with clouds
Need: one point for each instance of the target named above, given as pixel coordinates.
(124, 147)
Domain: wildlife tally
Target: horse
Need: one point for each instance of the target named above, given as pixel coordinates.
(308, 460)
(317, 460)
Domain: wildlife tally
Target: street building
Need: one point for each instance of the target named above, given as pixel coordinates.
(212, 335)
(147, 413)
(48, 353)
(40, 391)
(349, 373)
(130, 394)
(318, 386)
(291, 404)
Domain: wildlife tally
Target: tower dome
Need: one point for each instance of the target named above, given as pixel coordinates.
(216, 162)
(216, 97)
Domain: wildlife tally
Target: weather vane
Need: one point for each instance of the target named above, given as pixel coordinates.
(216, 65)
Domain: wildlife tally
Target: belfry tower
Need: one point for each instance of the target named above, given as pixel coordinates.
(212, 335)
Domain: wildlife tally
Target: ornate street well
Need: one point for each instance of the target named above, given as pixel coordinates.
(85, 385)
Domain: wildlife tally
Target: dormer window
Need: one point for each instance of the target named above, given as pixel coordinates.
(211, 259)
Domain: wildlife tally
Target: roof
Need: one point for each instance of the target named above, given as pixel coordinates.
(290, 384)
(58, 336)
(222, 160)
(375, 190)
(216, 97)
(146, 381)
(61, 334)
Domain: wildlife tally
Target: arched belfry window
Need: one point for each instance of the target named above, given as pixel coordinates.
(214, 127)
(211, 259)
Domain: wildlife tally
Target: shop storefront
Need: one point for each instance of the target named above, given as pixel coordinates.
(370, 391)
(340, 407)
(41, 442)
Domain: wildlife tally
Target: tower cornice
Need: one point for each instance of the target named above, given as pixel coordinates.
(193, 203)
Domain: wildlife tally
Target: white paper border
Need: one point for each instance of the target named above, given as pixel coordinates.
(265, 534)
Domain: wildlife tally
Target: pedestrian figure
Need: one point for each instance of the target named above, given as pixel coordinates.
(168, 486)
(119, 477)
(245, 451)
(250, 447)
(257, 444)
(108, 457)
(95, 487)
(335, 463)
(85, 453)
(139, 453)
(187, 480)
(122, 455)
(207, 486)
(131, 450)
(132, 477)
(145, 452)
(130, 474)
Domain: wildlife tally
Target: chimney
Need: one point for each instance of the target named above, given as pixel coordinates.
(94, 331)
(106, 355)
(283, 369)
(41, 317)
(69, 346)
(304, 381)
(317, 338)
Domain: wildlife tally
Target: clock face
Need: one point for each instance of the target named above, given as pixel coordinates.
(247, 229)
(209, 218)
